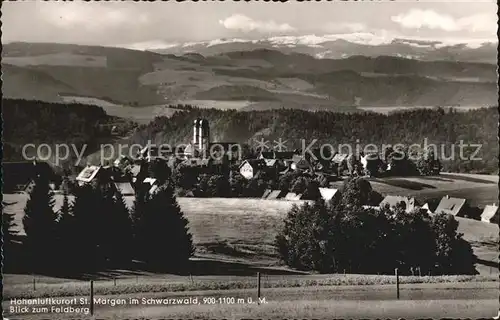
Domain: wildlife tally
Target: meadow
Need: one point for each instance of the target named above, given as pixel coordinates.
(242, 231)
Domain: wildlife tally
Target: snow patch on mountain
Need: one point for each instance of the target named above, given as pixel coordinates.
(321, 41)
(224, 41)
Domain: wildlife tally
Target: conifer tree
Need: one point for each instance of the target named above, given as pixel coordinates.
(7, 237)
(84, 228)
(121, 236)
(162, 231)
(39, 223)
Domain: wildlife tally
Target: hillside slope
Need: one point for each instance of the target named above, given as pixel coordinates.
(259, 79)
(300, 128)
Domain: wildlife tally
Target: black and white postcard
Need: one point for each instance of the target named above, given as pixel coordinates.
(250, 160)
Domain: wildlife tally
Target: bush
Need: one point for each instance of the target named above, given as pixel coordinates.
(303, 242)
(453, 254)
(346, 238)
(357, 192)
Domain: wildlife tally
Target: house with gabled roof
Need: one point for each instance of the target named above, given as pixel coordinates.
(249, 168)
(490, 214)
(125, 188)
(453, 206)
(329, 193)
(292, 196)
(276, 194)
(88, 174)
(267, 192)
(300, 163)
(393, 201)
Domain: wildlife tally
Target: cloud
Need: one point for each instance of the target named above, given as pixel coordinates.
(415, 19)
(344, 27)
(245, 24)
(82, 15)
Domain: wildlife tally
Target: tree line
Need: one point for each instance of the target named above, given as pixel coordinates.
(345, 236)
(98, 230)
(39, 122)
(443, 128)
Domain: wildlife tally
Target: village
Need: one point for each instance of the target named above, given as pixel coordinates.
(152, 167)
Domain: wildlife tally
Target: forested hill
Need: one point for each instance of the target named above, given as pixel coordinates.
(41, 122)
(38, 122)
(437, 126)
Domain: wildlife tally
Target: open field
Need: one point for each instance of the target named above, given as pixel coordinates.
(58, 59)
(21, 286)
(141, 115)
(439, 300)
(243, 230)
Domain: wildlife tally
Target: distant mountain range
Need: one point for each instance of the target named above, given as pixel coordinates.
(341, 46)
(265, 74)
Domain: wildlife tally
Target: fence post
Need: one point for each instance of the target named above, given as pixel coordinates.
(397, 283)
(258, 287)
(114, 281)
(34, 282)
(91, 297)
(191, 278)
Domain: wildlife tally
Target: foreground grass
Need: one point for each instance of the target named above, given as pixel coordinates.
(305, 309)
(323, 310)
(81, 288)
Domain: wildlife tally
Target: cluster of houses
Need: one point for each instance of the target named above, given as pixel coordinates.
(152, 166)
(455, 206)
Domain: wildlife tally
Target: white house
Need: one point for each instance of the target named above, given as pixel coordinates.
(249, 168)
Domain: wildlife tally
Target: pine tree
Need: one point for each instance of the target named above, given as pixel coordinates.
(121, 240)
(162, 231)
(39, 223)
(64, 232)
(84, 229)
(7, 237)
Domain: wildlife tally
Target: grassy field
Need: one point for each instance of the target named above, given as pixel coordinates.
(243, 230)
(141, 115)
(21, 286)
(438, 299)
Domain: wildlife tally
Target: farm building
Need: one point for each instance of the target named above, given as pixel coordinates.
(283, 157)
(88, 174)
(490, 214)
(125, 188)
(372, 164)
(339, 163)
(300, 163)
(276, 194)
(291, 196)
(137, 171)
(328, 193)
(453, 206)
(30, 185)
(152, 184)
(266, 193)
(426, 208)
(393, 201)
(151, 152)
(122, 162)
(249, 168)
(17, 175)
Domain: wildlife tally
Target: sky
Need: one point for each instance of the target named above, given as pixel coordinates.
(157, 24)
